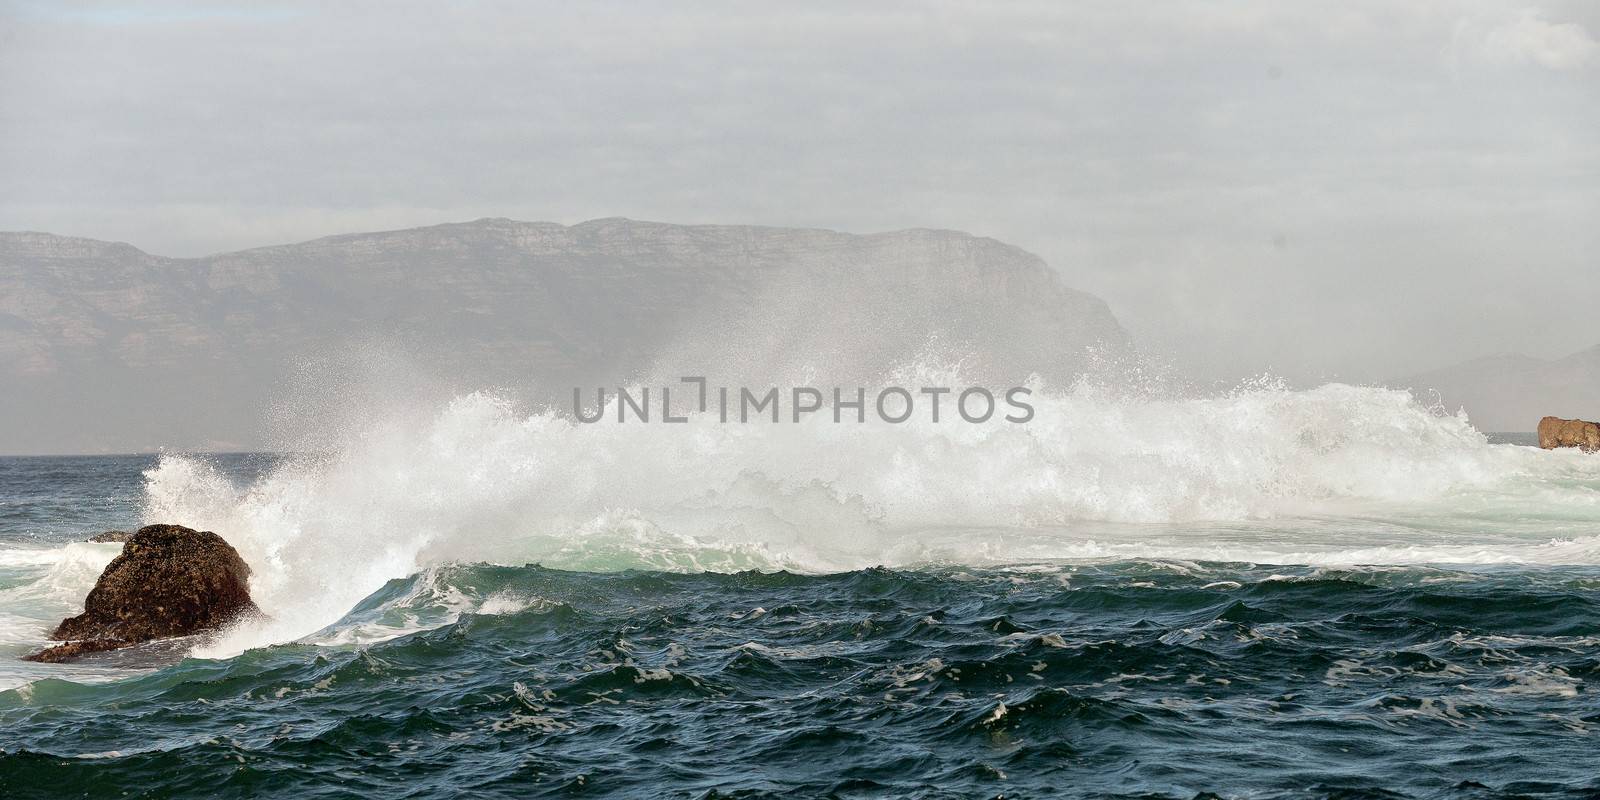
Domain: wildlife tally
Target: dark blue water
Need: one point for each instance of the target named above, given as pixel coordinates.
(1107, 679)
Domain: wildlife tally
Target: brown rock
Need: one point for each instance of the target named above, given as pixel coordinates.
(169, 581)
(1556, 432)
(111, 536)
(71, 651)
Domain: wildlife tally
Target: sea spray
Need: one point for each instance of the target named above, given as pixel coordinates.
(1260, 474)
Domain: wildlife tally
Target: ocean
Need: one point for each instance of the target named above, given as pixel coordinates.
(1272, 593)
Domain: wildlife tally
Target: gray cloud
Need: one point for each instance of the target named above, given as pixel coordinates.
(1343, 189)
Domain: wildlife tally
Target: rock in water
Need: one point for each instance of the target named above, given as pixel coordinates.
(1557, 432)
(169, 581)
(111, 536)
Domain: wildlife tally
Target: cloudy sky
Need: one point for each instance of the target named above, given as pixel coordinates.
(1341, 189)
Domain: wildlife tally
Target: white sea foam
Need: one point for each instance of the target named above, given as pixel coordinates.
(1334, 475)
(49, 584)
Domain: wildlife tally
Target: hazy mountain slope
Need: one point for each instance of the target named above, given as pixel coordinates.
(1511, 392)
(105, 347)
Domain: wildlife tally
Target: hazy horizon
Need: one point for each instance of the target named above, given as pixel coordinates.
(276, 348)
(1560, 351)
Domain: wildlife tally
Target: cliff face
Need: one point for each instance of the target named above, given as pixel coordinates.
(103, 346)
(1513, 392)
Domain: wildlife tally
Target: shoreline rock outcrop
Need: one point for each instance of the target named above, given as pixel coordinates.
(1556, 432)
(169, 581)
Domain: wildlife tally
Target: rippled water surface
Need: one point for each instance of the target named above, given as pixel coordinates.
(478, 627)
(1116, 679)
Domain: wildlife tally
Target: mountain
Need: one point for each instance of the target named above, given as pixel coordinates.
(104, 347)
(1512, 392)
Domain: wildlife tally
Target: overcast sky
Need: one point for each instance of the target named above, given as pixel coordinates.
(1342, 189)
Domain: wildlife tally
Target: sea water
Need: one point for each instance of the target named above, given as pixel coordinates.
(1266, 593)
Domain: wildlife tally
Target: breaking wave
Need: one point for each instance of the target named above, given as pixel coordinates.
(1333, 475)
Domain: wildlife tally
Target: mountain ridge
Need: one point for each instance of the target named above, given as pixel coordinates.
(499, 302)
(488, 222)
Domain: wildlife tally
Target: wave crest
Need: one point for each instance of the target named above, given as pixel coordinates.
(1094, 474)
